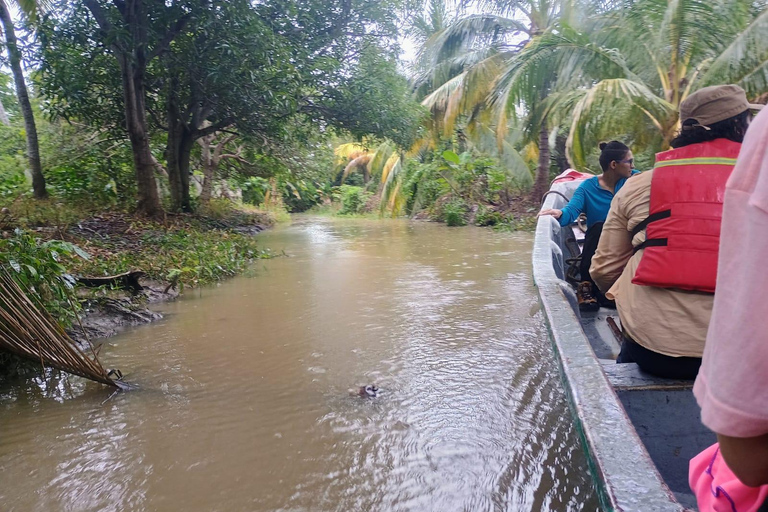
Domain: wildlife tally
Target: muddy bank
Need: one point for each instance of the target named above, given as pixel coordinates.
(103, 317)
(108, 237)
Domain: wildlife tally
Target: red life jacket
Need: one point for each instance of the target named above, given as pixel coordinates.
(683, 225)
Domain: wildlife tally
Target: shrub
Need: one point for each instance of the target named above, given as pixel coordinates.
(36, 266)
(454, 213)
(353, 200)
(488, 217)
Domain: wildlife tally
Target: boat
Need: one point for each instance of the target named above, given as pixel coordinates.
(638, 431)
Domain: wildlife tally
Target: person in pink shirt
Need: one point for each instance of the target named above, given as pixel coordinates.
(732, 384)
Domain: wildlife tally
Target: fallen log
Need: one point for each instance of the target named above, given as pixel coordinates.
(125, 281)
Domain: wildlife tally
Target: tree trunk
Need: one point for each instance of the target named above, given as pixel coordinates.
(131, 55)
(4, 115)
(136, 119)
(33, 150)
(542, 172)
(172, 159)
(178, 152)
(208, 168)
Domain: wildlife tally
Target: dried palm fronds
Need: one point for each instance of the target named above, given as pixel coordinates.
(32, 333)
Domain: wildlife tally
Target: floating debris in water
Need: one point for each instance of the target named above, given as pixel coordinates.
(369, 391)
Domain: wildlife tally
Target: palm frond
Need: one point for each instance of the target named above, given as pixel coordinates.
(380, 157)
(565, 56)
(612, 107)
(390, 164)
(346, 152)
(426, 79)
(358, 163)
(31, 9)
(392, 188)
(463, 93)
(466, 34)
(744, 61)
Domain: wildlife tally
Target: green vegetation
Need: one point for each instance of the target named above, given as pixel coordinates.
(186, 251)
(163, 131)
(569, 73)
(352, 200)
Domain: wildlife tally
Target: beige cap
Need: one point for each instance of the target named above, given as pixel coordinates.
(715, 103)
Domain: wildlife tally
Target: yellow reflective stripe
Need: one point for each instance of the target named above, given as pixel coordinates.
(697, 161)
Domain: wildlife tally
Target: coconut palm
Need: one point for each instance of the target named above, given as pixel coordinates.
(30, 9)
(626, 71)
(467, 59)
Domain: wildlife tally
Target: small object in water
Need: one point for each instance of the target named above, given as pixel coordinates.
(115, 374)
(369, 391)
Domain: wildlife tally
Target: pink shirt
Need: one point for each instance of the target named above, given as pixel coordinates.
(732, 386)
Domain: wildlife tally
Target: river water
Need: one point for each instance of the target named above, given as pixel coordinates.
(244, 405)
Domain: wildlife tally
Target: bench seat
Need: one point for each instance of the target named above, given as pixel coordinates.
(628, 377)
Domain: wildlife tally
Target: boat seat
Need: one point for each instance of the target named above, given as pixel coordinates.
(629, 377)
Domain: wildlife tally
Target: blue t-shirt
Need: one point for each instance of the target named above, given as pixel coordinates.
(591, 199)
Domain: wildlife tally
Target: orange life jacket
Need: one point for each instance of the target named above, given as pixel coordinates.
(683, 225)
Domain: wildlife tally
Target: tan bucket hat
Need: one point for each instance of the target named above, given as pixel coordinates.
(715, 103)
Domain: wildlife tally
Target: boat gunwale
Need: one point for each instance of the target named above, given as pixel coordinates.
(624, 474)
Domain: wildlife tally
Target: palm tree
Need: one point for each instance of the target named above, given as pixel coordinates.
(467, 60)
(30, 9)
(627, 70)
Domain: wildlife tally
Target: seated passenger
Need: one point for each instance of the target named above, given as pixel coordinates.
(732, 386)
(657, 256)
(593, 198)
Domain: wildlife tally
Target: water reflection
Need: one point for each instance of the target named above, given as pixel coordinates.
(244, 402)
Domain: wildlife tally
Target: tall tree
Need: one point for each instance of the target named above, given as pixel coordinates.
(626, 69)
(14, 59)
(228, 69)
(132, 34)
(245, 67)
(466, 62)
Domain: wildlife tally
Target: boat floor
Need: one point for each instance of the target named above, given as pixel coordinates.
(663, 411)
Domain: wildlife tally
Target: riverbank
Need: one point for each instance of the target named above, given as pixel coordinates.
(52, 247)
(518, 215)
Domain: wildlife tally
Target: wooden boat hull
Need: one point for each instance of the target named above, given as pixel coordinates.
(638, 432)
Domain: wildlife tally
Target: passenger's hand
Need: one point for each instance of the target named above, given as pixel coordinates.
(552, 211)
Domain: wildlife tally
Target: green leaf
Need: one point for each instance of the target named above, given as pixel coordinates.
(80, 252)
(451, 156)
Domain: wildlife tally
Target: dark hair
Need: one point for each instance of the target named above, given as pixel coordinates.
(613, 151)
(732, 128)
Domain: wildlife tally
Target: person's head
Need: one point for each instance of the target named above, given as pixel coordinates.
(615, 157)
(716, 112)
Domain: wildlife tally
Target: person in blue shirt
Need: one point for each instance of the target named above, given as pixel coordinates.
(593, 198)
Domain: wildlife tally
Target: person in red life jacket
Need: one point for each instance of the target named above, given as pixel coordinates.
(657, 255)
(593, 198)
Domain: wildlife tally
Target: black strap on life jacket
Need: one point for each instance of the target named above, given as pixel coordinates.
(651, 218)
(653, 242)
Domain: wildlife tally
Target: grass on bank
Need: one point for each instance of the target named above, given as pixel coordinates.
(47, 244)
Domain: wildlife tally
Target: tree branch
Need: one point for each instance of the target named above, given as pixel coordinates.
(216, 127)
(156, 119)
(169, 36)
(98, 14)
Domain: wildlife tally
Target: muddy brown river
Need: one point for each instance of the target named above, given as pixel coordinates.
(244, 406)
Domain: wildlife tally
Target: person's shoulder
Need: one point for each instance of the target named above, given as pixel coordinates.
(635, 186)
(589, 183)
(638, 180)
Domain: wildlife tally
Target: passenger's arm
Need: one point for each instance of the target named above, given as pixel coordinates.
(575, 206)
(615, 247)
(747, 457)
